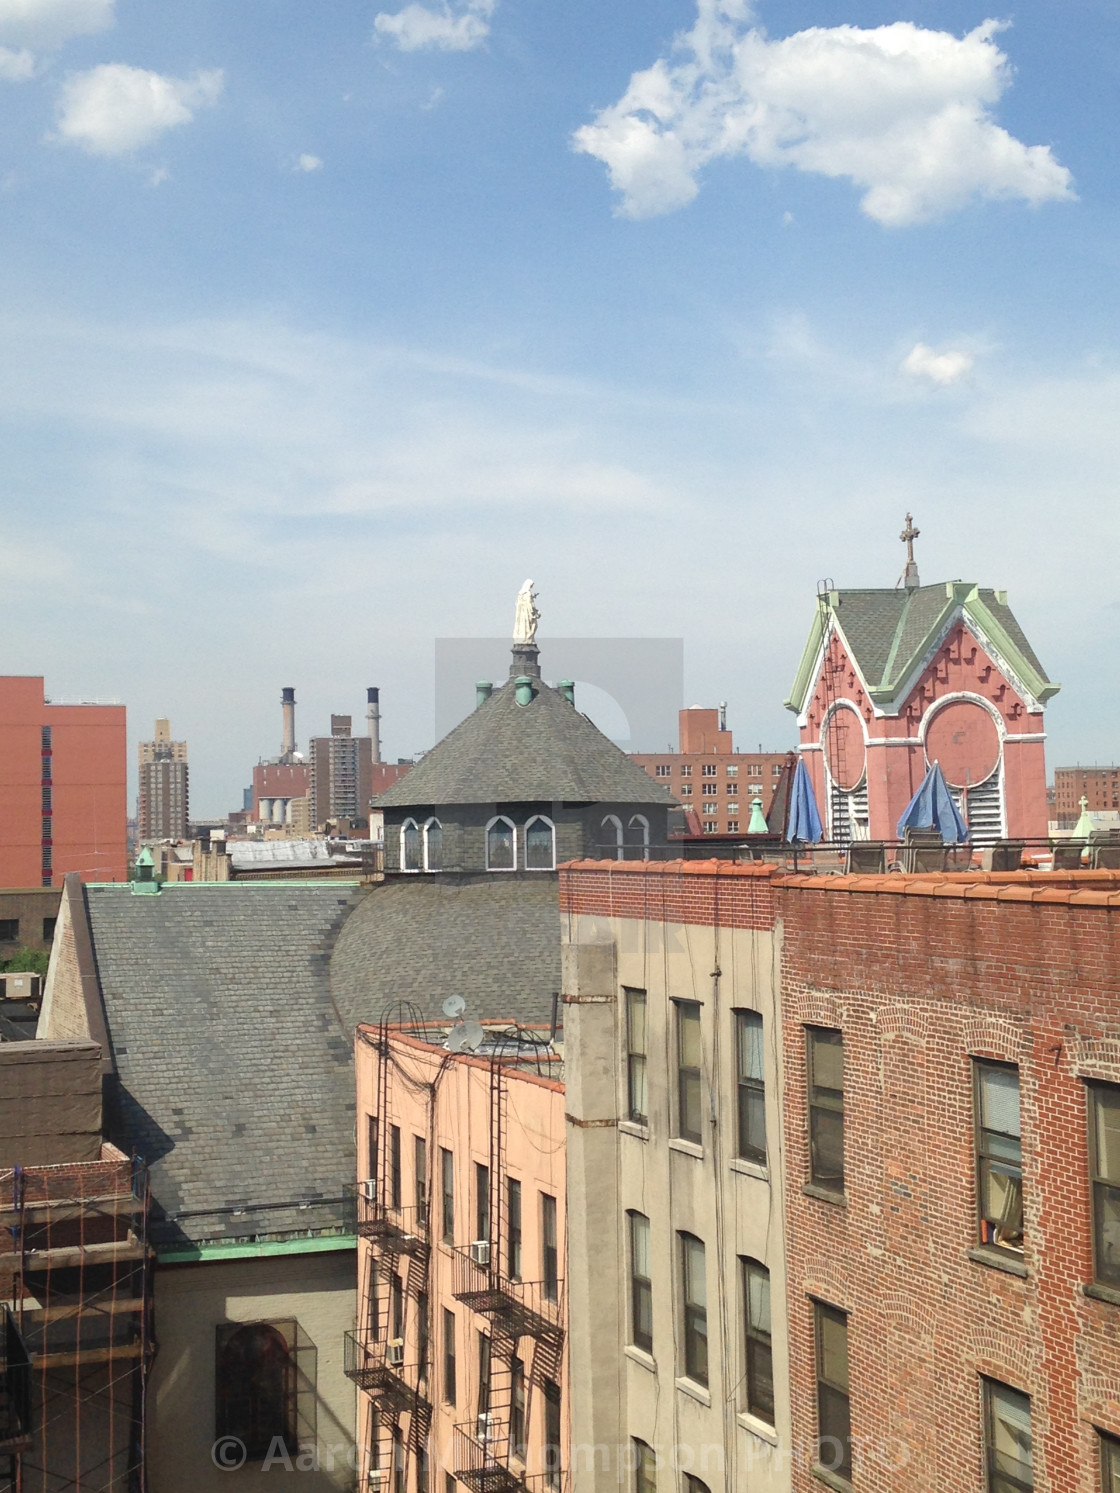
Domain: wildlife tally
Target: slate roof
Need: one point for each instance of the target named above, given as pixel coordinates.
(509, 753)
(495, 940)
(235, 1073)
(889, 633)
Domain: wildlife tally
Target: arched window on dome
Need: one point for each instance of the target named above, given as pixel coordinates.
(637, 838)
(501, 845)
(610, 838)
(256, 1387)
(433, 845)
(540, 844)
(411, 859)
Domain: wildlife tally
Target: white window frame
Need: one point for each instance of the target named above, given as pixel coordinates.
(540, 819)
(639, 821)
(620, 839)
(501, 819)
(424, 840)
(411, 870)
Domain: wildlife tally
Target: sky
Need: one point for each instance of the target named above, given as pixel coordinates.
(322, 327)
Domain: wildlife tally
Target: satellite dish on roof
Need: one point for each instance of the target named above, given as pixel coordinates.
(465, 1036)
(454, 1006)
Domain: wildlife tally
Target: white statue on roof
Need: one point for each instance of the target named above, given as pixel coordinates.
(526, 616)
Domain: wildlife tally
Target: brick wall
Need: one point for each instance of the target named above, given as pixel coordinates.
(920, 979)
(710, 893)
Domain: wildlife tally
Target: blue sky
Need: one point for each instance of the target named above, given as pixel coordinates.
(324, 326)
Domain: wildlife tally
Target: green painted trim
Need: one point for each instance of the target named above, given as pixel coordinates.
(795, 701)
(1041, 688)
(318, 1244)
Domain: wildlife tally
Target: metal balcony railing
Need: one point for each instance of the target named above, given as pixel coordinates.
(401, 1231)
(379, 1368)
(523, 1308)
(481, 1463)
(15, 1388)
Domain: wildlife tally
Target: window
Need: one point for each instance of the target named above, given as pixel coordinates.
(711, 790)
(422, 1471)
(754, 770)
(552, 1445)
(711, 827)
(420, 1175)
(513, 1224)
(709, 770)
(732, 769)
(752, 1086)
(732, 826)
(517, 1408)
(398, 1459)
(481, 1201)
(394, 1166)
(636, 1094)
(663, 770)
(641, 1284)
(448, 1357)
(645, 1467)
(422, 1343)
(611, 833)
(686, 790)
(410, 846)
(449, 1483)
(999, 1160)
(759, 1350)
(48, 929)
(834, 1422)
(776, 770)
(826, 1107)
(694, 1297)
(1104, 1165)
(540, 845)
(396, 1309)
(433, 845)
(256, 1385)
(501, 845)
(688, 1071)
(686, 769)
(1110, 1462)
(447, 1195)
(550, 1256)
(9, 930)
(637, 836)
(483, 1382)
(1008, 1444)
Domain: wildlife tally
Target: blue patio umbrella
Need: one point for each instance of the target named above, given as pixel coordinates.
(804, 821)
(932, 807)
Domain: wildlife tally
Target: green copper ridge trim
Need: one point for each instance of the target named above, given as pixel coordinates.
(1042, 689)
(796, 698)
(319, 1244)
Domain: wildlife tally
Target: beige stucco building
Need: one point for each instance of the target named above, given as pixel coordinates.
(674, 1182)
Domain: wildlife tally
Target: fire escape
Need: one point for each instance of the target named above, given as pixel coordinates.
(489, 1448)
(378, 1356)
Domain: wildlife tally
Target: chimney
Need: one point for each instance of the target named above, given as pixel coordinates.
(483, 690)
(373, 716)
(567, 688)
(288, 704)
(723, 715)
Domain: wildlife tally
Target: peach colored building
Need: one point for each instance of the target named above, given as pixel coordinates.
(893, 680)
(459, 1349)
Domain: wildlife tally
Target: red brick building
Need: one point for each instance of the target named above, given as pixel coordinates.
(891, 681)
(708, 776)
(950, 1153)
(63, 804)
(1100, 786)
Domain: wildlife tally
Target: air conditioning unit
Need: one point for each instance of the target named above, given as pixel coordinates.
(480, 1251)
(394, 1353)
(375, 1478)
(368, 1189)
(487, 1427)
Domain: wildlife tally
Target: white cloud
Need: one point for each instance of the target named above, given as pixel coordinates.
(418, 26)
(48, 23)
(940, 368)
(901, 111)
(307, 163)
(114, 108)
(16, 67)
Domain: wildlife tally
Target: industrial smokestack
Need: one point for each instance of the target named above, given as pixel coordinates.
(373, 716)
(288, 702)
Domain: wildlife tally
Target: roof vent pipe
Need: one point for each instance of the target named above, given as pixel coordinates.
(483, 690)
(288, 704)
(567, 688)
(523, 685)
(373, 720)
(723, 715)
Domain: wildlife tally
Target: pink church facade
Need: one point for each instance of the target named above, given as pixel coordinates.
(892, 681)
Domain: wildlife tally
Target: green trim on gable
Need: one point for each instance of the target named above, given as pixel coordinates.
(795, 700)
(219, 1249)
(1041, 688)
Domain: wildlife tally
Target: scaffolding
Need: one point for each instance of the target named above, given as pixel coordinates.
(75, 1274)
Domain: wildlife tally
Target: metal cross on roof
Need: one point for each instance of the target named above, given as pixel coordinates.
(908, 535)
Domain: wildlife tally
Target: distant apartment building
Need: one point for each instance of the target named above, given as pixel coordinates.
(1099, 786)
(459, 1350)
(341, 774)
(856, 1202)
(163, 801)
(710, 777)
(62, 788)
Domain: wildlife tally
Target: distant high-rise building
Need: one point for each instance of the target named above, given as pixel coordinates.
(163, 806)
(341, 774)
(63, 772)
